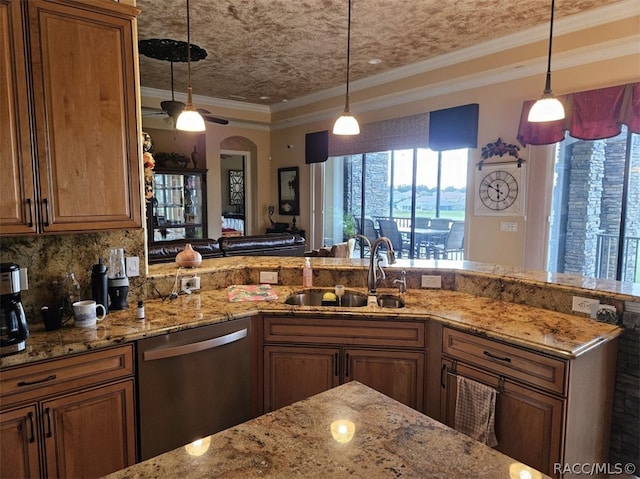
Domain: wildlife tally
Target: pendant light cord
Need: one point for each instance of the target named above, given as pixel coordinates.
(189, 54)
(346, 101)
(547, 87)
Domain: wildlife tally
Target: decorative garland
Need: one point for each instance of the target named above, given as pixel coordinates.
(499, 148)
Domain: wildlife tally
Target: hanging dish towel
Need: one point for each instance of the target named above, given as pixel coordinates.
(475, 411)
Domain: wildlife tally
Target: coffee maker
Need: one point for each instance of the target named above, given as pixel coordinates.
(13, 322)
(117, 281)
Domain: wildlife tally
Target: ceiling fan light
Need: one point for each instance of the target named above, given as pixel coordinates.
(346, 124)
(190, 120)
(547, 108)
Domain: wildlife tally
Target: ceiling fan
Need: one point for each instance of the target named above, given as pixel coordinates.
(174, 51)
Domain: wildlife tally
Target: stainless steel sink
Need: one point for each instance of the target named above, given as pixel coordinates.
(314, 298)
(350, 299)
(388, 301)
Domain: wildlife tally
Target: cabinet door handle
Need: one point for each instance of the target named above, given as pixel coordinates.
(30, 206)
(335, 362)
(346, 365)
(47, 412)
(32, 437)
(498, 358)
(46, 211)
(443, 375)
(37, 381)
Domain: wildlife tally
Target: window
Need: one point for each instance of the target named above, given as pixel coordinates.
(595, 218)
(409, 187)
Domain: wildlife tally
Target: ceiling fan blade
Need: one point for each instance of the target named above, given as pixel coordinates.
(213, 119)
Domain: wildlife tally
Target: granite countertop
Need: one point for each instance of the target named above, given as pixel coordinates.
(390, 440)
(561, 335)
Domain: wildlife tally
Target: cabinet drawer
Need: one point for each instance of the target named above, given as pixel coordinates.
(48, 377)
(409, 334)
(533, 368)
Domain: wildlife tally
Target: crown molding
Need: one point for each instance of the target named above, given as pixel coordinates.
(582, 56)
(598, 16)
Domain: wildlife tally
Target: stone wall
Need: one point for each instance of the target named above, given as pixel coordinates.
(376, 185)
(625, 431)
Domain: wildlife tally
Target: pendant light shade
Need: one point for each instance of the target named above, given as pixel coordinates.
(547, 108)
(189, 119)
(347, 124)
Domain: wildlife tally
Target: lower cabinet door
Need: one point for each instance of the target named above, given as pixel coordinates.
(292, 373)
(528, 423)
(397, 374)
(90, 433)
(19, 455)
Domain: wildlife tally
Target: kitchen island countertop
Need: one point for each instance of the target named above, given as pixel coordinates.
(390, 440)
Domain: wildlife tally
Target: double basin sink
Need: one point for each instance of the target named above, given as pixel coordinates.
(351, 299)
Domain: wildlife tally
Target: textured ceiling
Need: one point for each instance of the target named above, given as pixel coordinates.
(267, 51)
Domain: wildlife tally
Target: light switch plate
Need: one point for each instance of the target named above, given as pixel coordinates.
(583, 305)
(509, 226)
(268, 277)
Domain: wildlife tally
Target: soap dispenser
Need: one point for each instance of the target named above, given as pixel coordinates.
(307, 274)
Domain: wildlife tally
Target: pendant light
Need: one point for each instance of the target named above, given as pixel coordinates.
(347, 124)
(548, 107)
(189, 119)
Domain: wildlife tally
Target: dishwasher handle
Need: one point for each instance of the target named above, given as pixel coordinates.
(184, 349)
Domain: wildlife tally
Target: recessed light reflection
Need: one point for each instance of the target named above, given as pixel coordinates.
(520, 471)
(343, 430)
(198, 447)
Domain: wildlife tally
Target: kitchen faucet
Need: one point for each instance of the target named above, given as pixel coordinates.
(363, 237)
(374, 262)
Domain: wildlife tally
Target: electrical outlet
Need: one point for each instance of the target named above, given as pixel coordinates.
(268, 277)
(431, 281)
(132, 264)
(190, 283)
(583, 305)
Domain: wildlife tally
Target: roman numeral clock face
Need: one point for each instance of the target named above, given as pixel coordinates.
(498, 190)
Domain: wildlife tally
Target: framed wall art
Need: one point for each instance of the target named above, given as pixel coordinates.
(288, 191)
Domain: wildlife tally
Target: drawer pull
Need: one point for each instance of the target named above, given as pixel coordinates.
(37, 381)
(32, 436)
(47, 413)
(346, 365)
(498, 358)
(30, 212)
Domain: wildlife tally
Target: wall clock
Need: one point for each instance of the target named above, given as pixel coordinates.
(499, 190)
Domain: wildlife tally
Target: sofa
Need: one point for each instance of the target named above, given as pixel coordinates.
(281, 244)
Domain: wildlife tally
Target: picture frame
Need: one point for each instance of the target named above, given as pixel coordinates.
(288, 191)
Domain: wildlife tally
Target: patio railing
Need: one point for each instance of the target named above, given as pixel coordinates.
(607, 257)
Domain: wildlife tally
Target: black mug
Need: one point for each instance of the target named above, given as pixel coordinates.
(52, 317)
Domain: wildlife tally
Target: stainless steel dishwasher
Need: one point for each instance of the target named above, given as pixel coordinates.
(192, 384)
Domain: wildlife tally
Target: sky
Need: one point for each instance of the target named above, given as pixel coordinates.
(454, 168)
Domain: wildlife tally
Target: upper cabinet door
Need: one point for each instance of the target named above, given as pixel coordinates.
(17, 196)
(83, 78)
(84, 85)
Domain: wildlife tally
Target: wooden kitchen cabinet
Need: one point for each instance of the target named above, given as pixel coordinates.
(549, 410)
(71, 417)
(305, 356)
(70, 137)
(527, 422)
